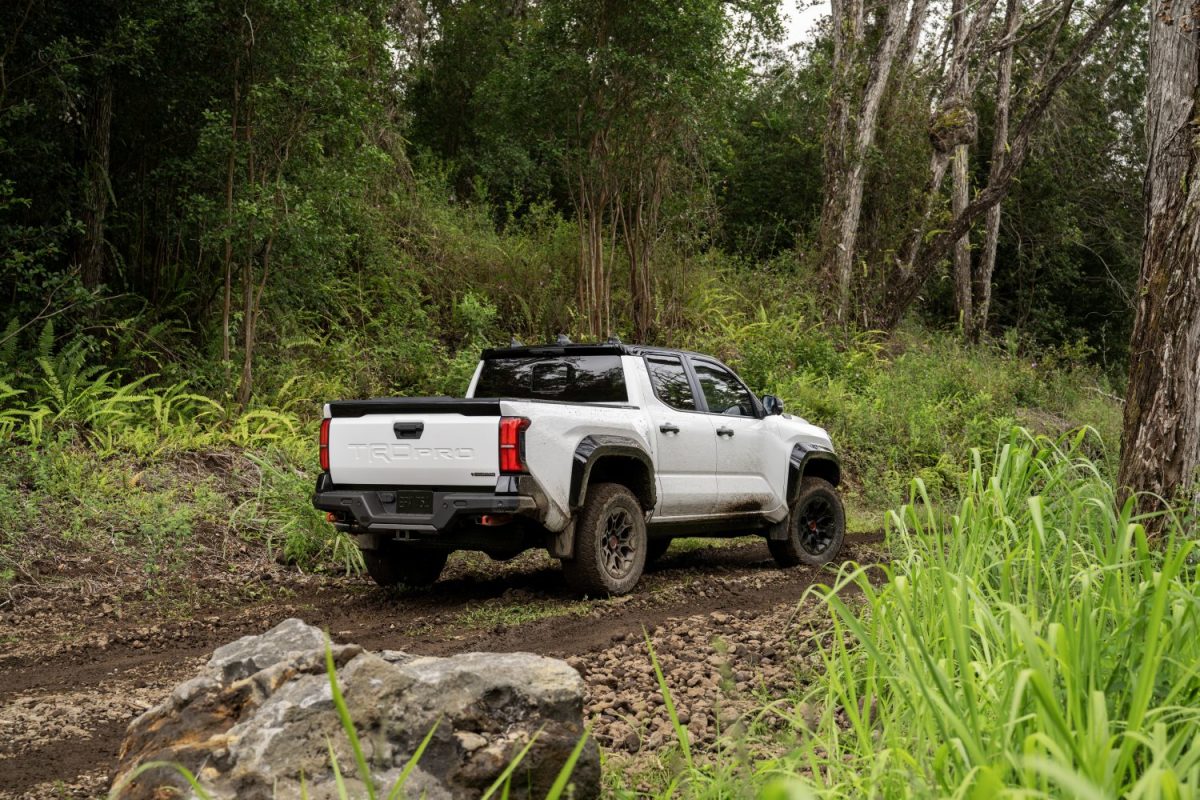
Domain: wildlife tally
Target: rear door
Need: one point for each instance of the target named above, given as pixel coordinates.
(685, 439)
(745, 448)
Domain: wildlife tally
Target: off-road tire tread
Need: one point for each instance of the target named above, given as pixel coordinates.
(788, 552)
(583, 573)
(395, 564)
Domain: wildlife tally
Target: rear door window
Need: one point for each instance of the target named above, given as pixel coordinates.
(723, 392)
(573, 379)
(671, 383)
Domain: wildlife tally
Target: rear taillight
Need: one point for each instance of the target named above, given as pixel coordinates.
(323, 442)
(512, 444)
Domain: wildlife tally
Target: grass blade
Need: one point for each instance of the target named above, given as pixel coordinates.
(339, 702)
(568, 768)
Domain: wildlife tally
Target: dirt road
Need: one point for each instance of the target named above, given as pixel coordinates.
(722, 619)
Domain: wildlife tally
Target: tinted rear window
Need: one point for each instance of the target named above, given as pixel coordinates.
(671, 382)
(576, 379)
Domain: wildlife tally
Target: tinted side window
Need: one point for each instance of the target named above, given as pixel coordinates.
(722, 391)
(671, 382)
(576, 379)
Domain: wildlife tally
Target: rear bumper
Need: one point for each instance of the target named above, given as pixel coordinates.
(373, 510)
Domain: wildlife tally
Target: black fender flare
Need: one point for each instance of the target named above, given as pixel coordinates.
(805, 455)
(595, 447)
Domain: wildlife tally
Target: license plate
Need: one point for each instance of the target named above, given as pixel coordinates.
(414, 502)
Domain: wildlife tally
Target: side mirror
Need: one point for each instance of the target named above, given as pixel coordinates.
(772, 404)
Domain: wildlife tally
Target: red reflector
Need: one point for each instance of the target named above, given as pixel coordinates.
(323, 443)
(512, 444)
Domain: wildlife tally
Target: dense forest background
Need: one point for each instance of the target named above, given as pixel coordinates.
(208, 191)
(215, 217)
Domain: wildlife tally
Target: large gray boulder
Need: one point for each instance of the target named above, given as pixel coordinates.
(259, 718)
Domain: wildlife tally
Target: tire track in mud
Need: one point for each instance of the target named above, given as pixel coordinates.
(146, 657)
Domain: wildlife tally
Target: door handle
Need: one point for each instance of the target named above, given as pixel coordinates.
(408, 430)
(725, 432)
(667, 427)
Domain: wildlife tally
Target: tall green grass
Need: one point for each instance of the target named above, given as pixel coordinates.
(1033, 644)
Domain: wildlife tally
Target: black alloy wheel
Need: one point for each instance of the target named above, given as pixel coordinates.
(619, 544)
(610, 542)
(815, 527)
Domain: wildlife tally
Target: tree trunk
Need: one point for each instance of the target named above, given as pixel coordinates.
(245, 388)
(1161, 436)
(847, 17)
(246, 385)
(849, 143)
(920, 262)
(641, 293)
(594, 199)
(593, 272)
(639, 215)
(991, 235)
(951, 125)
(961, 184)
(227, 304)
(97, 188)
(962, 246)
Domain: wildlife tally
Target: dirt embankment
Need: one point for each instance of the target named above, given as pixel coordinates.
(723, 622)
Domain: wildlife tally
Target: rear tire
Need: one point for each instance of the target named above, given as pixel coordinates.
(610, 543)
(395, 564)
(816, 526)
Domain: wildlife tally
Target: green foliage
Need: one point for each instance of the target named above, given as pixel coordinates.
(1034, 641)
(348, 249)
(343, 712)
(562, 780)
(913, 404)
(65, 506)
(1071, 245)
(283, 518)
(770, 188)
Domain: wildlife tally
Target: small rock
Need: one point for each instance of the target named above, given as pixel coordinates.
(469, 741)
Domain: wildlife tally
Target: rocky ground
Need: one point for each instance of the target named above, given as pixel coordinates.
(724, 623)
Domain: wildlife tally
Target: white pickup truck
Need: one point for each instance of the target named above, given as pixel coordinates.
(599, 453)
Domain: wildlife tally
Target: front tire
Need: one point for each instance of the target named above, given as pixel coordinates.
(816, 526)
(394, 564)
(610, 543)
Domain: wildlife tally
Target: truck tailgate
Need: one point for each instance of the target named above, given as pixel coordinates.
(425, 448)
